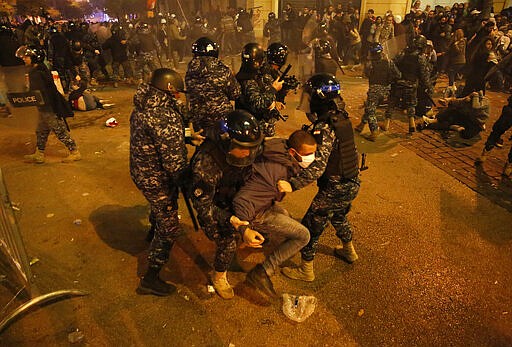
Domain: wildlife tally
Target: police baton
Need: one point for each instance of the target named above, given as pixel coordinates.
(189, 207)
(339, 65)
(363, 162)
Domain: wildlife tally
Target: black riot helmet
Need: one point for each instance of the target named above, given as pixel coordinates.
(205, 47)
(375, 51)
(321, 94)
(144, 28)
(161, 78)
(322, 29)
(419, 42)
(323, 86)
(243, 132)
(84, 26)
(76, 47)
(277, 54)
(252, 56)
(37, 55)
(323, 47)
(5, 29)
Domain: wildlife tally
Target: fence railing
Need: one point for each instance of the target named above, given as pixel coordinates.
(17, 292)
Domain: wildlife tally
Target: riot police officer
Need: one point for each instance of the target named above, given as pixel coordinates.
(219, 170)
(158, 160)
(41, 79)
(272, 29)
(147, 47)
(381, 73)
(324, 61)
(211, 86)
(339, 183)
(258, 89)
(413, 67)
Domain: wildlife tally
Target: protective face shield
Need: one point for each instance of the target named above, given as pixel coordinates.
(277, 53)
(205, 47)
(36, 55)
(245, 138)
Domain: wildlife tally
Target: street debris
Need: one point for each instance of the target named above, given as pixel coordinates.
(298, 308)
(111, 122)
(33, 261)
(77, 222)
(360, 313)
(394, 155)
(85, 194)
(75, 336)
(211, 289)
(186, 297)
(50, 215)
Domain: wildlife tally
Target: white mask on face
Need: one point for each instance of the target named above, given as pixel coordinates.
(306, 160)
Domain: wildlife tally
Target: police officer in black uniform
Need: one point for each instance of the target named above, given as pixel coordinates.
(258, 89)
(219, 170)
(339, 183)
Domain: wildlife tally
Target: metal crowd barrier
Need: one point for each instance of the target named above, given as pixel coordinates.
(17, 292)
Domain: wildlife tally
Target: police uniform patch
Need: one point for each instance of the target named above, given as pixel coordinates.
(198, 192)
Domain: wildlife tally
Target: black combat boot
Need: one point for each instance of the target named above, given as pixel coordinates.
(152, 284)
(259, 279)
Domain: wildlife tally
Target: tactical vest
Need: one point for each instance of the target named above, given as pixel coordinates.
(343, 160)
(409, 66)
(380, 73)
(232, 177)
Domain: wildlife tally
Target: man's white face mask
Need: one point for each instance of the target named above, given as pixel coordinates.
(306, 160)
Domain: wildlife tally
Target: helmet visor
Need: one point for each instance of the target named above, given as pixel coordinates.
(241, 156)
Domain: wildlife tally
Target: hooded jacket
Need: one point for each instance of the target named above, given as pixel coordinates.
(157, 143)
(210, 85)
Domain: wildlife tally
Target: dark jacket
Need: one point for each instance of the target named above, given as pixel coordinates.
(40, 78)
(117, 48)
(260, 190)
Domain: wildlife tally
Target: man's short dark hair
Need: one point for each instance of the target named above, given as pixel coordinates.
(371, 11)
(299, 138)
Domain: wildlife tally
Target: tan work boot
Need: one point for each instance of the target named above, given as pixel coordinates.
(483, 157)
(303, 272)
(73, 156)
(360, 127)
(222, 286)
(37, 157)
(507, 169)
(384, 126)
(346, 252)
(373, 136)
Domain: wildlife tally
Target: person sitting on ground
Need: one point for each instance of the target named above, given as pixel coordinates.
(467, 115)
(82, 99)
(255, 203)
